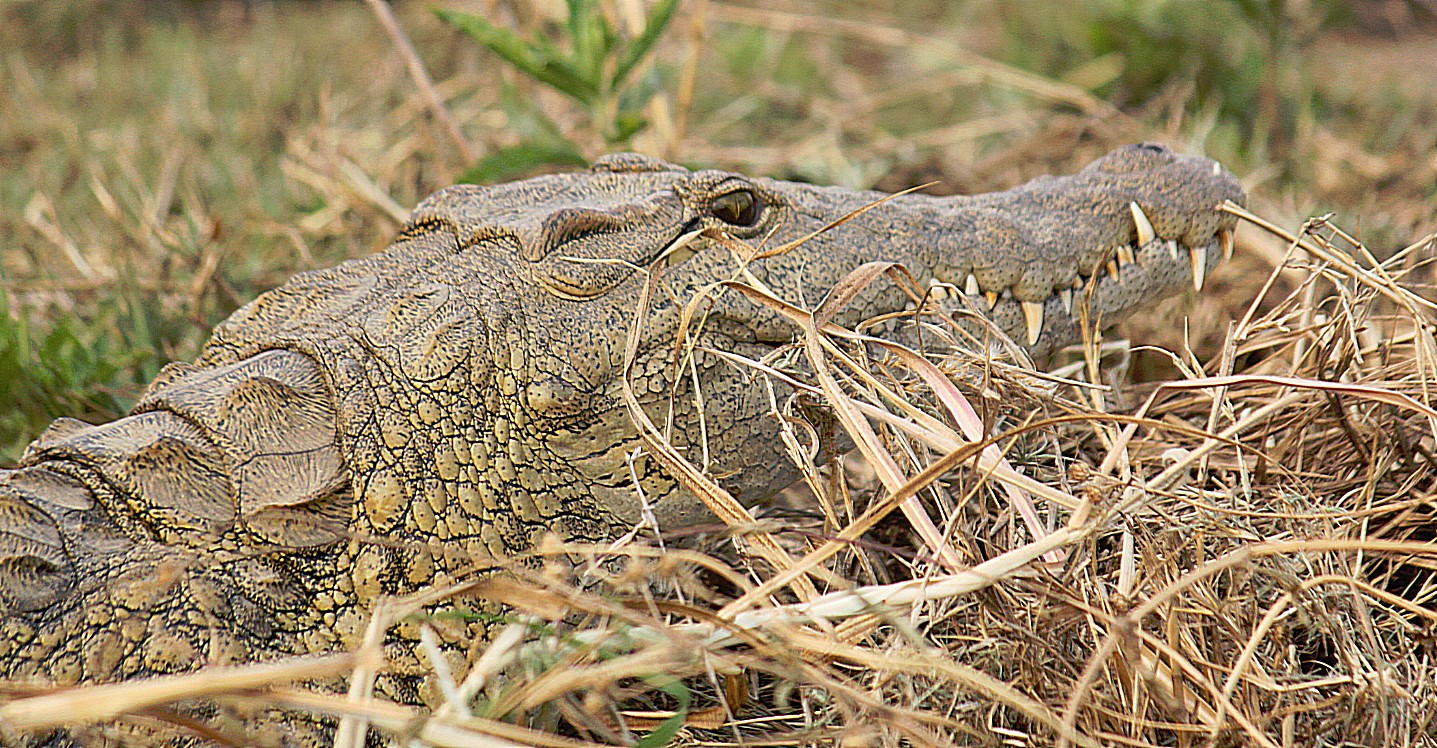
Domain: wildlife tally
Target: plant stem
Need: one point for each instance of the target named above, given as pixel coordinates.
(421, 78)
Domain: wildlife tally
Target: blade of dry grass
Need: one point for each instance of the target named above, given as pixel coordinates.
(422, 81)
(97, 703)
(719, 501)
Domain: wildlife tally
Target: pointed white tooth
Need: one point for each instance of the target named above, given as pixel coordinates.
(1199, 259)
(1066, 296)
(970, 286)
(1033, 314)
(1145, 227)
(1113, 271)
(1172, 248)
(1125, 254)
(992, 298)
(1225, 238)
(1216, 169)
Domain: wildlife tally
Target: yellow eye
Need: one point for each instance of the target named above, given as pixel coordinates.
(738, 208)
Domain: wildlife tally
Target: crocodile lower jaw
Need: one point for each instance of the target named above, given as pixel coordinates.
(1148, 255)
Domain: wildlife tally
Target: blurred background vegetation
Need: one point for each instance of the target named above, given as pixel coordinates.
(163, 162)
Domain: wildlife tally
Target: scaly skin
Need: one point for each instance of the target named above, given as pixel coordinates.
(459, 395)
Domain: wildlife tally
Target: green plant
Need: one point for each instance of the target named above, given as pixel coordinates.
(1244, 59)
(586, 59)
(664, 733)
(67, 368)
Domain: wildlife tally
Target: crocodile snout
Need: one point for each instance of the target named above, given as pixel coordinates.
(1134, 226)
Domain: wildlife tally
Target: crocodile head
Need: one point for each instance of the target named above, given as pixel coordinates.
(520, 297)
(463, 390)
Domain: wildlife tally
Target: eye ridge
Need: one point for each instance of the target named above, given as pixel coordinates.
(738, 208)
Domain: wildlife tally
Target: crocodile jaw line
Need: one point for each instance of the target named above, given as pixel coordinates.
(1127, 255)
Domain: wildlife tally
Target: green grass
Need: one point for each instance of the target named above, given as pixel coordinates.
(161, 164)
(149, 184)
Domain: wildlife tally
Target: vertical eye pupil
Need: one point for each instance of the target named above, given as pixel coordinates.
(739, 208)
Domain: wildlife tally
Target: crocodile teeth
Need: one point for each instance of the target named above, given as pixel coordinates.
(1066, 296)
(1125, 254)
(1199, 259)
(1225, 238)
(1113, 270)
(992, 298)
(1033, 313)
(1172, 248)
(1145, 227)
(970, 286)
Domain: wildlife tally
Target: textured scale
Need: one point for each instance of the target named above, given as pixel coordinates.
(391, 422)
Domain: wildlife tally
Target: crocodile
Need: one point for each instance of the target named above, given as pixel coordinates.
(375, 427)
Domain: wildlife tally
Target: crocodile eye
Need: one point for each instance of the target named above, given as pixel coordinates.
(738, 208)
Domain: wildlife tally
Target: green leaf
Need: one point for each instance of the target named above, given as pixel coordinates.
(538, 60)
(510, 162)
(654, 26)
(661, 736)
(529, 122)
(562, 76)
(578, 16)
(590, 35)
(636, 95)
(500, 41)
(626, 126)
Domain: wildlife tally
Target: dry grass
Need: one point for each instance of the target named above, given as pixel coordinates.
(1234, 551)
(1244, 558)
